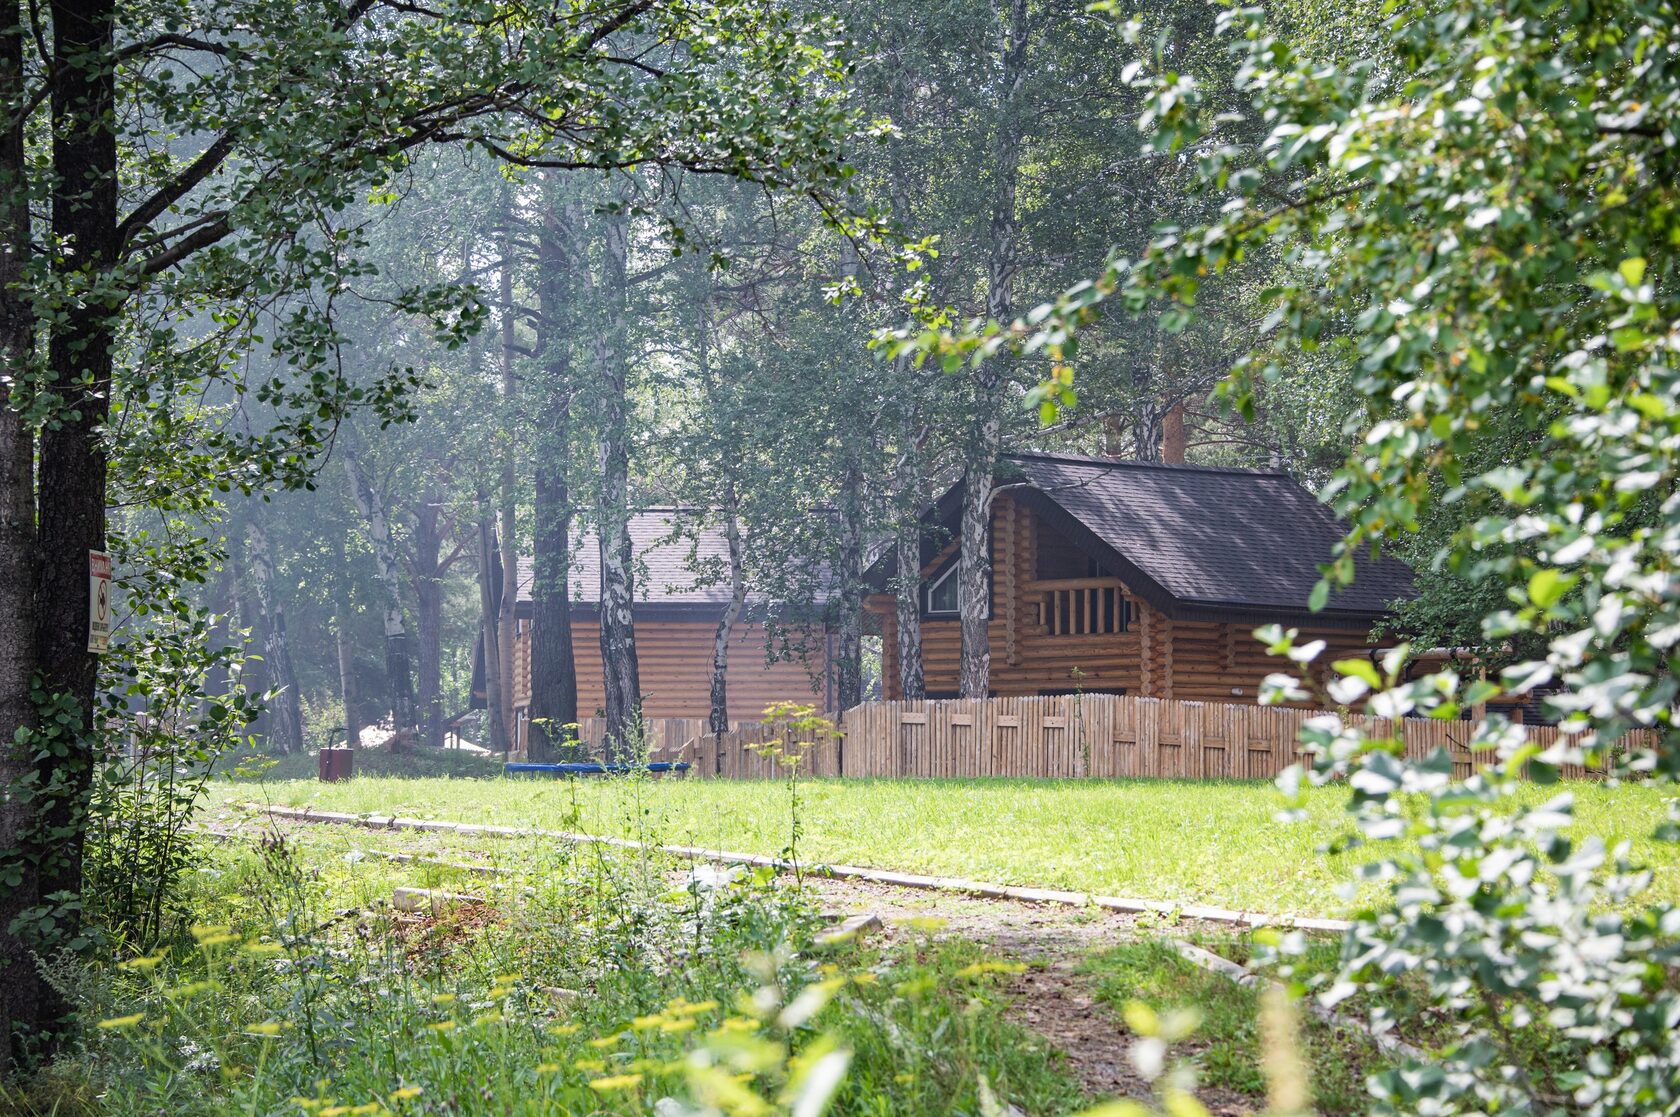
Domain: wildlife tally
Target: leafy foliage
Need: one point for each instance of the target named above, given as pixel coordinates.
(1490, 199)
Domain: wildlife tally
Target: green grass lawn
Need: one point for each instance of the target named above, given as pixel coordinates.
(1210, 842)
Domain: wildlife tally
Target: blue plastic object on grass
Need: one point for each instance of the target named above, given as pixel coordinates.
(591, 769)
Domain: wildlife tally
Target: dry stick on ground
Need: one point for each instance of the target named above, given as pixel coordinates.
(1243, 976)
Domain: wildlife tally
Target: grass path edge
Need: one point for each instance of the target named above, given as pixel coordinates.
(838, 872)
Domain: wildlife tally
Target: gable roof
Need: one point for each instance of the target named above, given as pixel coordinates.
(1199, 542)
(681, 576)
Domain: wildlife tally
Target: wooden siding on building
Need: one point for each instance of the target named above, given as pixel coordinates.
(1156, 657)
(675, 661)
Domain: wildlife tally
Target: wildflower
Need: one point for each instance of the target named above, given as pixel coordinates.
(406, 1092)
(737, 1024)
(616, 1082)
(443, 998)
(266, 1028)
(117, 1022)
(590, 1066)
(488, 1018)
(915, 987)
(309, 1105)
(441, 1026)
(366, 1108)
(979, 969)
(548, 1068)
(603, 1042)
(194, 988)
(927, 924)
(197, 1058)
(148, 962)
(262, 948)
(334, 1111)
(564, 1029)
(208, 931)
(509, 978)
(904, 1079)
(676, 1027)
(680, 1007)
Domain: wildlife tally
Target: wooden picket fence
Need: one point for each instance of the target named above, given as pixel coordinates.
(1063, 736)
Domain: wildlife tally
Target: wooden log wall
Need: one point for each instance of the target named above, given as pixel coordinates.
(1098, 736)
(675, 658)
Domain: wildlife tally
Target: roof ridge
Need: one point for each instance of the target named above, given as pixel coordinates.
(1127, 463)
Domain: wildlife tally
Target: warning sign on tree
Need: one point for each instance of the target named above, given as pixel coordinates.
(99, 601)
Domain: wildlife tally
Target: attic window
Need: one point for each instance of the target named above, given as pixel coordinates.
(942, 593)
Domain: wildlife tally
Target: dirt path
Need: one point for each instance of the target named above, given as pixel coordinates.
(1055, 999)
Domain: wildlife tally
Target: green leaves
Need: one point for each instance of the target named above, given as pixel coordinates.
(1546, 587)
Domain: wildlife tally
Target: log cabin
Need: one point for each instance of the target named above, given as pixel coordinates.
(1126, 577)
(677, 613)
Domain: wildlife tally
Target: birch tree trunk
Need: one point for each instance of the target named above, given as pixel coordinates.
(428, 615)
(19, 976)
(285, 722)
(620, 672)
(489, 601)
(397, 669)
(848, 666)
(731, 612)
(975, 565)
(907, 554)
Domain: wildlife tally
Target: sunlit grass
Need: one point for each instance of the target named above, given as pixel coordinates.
(1212, 842)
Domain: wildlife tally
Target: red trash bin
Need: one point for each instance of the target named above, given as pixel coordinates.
(336, 764)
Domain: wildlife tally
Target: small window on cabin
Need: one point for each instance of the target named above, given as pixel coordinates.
(942, 593)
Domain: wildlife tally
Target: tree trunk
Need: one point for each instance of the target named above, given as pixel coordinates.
(71, 488)
(428, 616)
(553, 663)
(975, 564)
(907, 554)
(506, 512)
(397, 670)
(285, 723)
(1148, 417)
(553, 659)
(254, 679)
(731, 612)
(347, 674)
(1172, 435)
(620, 672)
(489, 602)
(19, 978)
(848, 666)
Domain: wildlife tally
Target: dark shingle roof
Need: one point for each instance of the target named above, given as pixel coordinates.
(664, 574)
(1229, 540)
(688, 573)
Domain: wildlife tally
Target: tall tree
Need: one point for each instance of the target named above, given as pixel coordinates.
(285, 709)
(554, 703)
(611, 360)
(398, 660)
